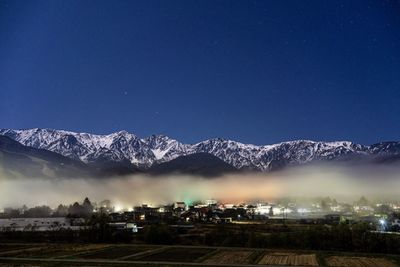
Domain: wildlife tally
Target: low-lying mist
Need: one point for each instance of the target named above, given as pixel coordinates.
(343, 183)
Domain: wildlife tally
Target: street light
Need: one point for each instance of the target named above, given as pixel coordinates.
(382, 223)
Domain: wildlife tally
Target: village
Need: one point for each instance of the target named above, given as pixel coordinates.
(383, 217)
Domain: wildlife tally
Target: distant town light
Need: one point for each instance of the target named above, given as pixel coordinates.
(117, 208)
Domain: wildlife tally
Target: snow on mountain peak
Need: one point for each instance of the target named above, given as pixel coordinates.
(144, 152)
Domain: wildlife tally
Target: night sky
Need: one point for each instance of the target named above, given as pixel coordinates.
(253, 71)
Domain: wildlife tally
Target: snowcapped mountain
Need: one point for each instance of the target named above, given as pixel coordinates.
(87, 147)
(145, 152)
(270, 157)
(166, 149)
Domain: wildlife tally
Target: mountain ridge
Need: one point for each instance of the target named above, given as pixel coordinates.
(156, 149)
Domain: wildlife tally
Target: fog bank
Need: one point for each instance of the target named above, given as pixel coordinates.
(341, 183)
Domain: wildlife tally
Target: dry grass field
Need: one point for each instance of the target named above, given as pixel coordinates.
(60, 255)
(51, 251)
(4, 248)
(114, 252)
(230, 257)
(177, 255)
(338, 261)
(289, 259)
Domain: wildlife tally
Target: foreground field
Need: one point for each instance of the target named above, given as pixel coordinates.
(9, 247)
(156, 256)
(52, 251)
(114, 252)
(290, 259)
(177, 255)
(358, 262)
(231, 256)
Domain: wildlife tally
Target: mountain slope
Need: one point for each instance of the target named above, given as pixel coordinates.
(126, 148)
(203, 164)
(19, 160)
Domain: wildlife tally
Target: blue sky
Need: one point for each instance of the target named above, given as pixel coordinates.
(253, 71)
